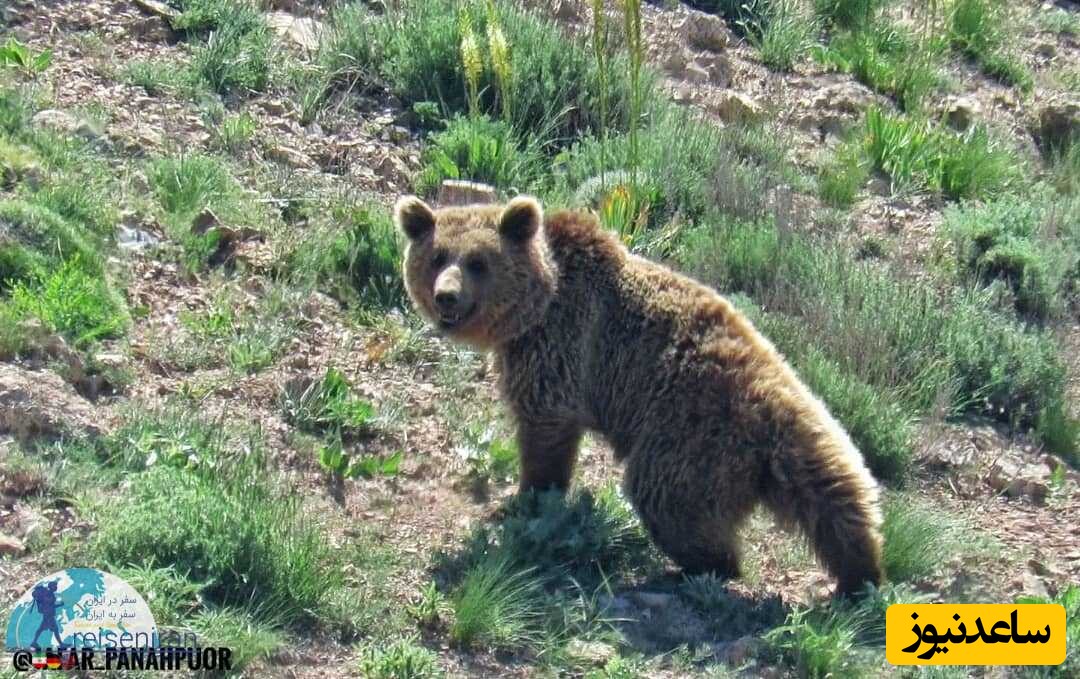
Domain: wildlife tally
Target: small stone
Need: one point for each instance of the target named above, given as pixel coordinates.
(456, 192)
(696, 73)
(706, 31)
(732, 106)
(303, 32)
(595, 653)
(204, 221)
(287, 155)
(10, 546)
(40, 404)
(961, 112)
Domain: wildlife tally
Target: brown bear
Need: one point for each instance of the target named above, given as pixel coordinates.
(707, 416)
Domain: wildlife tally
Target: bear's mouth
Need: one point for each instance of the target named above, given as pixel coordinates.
(451, 319)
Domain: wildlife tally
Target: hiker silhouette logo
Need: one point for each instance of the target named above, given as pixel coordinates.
(80, 608)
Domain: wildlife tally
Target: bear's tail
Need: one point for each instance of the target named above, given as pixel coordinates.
(820, 483)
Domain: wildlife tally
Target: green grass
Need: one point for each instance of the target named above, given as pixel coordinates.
(1059, 21)
(889, 59)
(55, 234)
(236, 132)
(237, 629)
(921, 348)
(245, 334)
(914, 153)
(235, 56)
(851, 14)
(70, 301)
(229, 527)
(821, 644)
(400, 659)
(783, 35)
(919, 540)
(686, 168)
(554, 80)
(355, 257)
(498, 606)
(979, 29)
(185, 186)
(581, 539)
(841, 180)
(482, 150)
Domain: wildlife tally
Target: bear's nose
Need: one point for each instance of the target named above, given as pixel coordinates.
(446, 300)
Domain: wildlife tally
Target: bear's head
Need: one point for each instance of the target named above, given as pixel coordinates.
(482, 274)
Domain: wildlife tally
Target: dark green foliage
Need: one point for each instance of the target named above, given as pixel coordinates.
(581, 538)
(853, 14)
(479, 149)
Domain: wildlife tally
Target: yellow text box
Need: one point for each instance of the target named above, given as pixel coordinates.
(975, 634)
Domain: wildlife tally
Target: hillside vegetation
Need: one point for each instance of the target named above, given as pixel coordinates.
(212, 383)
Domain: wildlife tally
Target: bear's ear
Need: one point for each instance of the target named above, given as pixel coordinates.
(414, 217)
(520, 219)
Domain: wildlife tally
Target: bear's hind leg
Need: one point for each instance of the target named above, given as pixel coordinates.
(834, 502)
(679, 512)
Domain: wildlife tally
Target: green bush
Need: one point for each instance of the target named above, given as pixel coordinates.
(555, 81)
(483, 150)
(1018, 241)
(894, 334)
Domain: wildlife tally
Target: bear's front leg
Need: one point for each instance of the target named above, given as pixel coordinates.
(548, 450)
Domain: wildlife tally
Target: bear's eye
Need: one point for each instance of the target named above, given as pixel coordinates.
(476, 266)
(438, 260)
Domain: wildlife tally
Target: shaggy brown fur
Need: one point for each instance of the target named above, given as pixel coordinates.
(707, 416)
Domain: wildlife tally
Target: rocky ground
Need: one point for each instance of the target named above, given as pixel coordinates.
(1000, 485)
